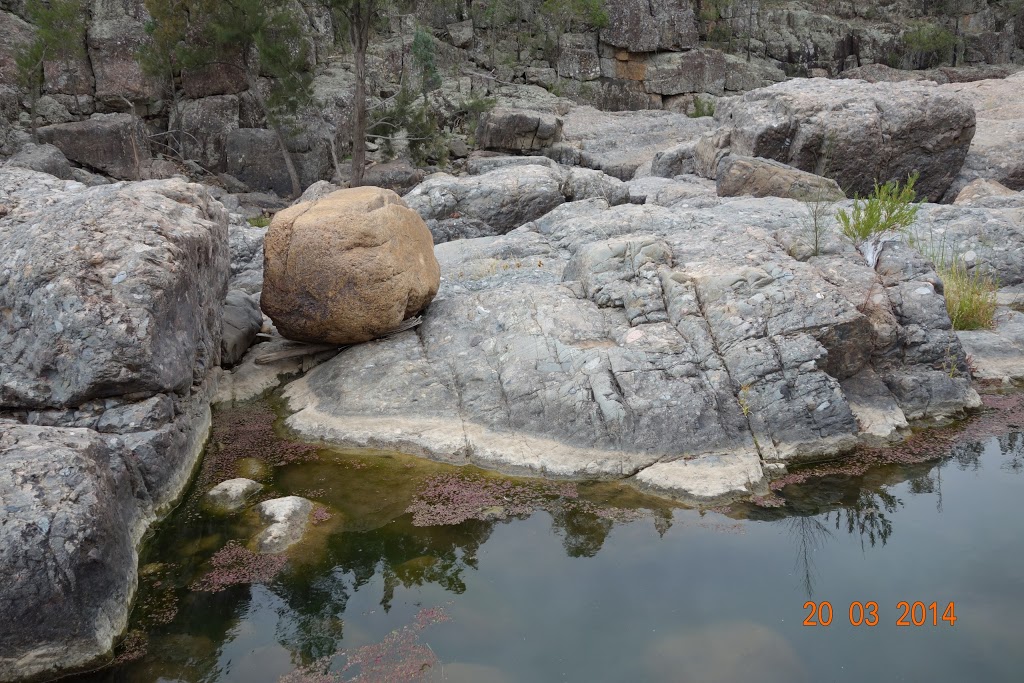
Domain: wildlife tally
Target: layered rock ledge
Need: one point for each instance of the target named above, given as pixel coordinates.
(684, 348)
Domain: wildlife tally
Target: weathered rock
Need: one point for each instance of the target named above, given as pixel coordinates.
(989, 238)
(981, 189)
(517, 130)
(14, 32)
(694, 71)
(688, 191)
(620, 143)
(317, 191)
(577, 57)
(92, 279)
(854, 132)
(64, 603)
(674, 161)
(288, 519)
(246, 245)
(114, 144)
(247, 380)
(641, 26)
(348, 268)
(43, 158)
(881, 73)
(685, 345)
(739, 176)
(242, 321)
(98, 493)
(485, 162)
(253, 155)
(208, 121)
(503, 199)
(231, 495)
(461, 33)
(116, 34)
(585, 183)
(997, 150)
(997, 354)
(398, 176)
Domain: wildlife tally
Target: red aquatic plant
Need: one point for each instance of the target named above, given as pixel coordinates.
(235, 564)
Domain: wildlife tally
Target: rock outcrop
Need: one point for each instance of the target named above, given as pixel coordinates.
(114, 144)
(683, 348)
(347, 268)
(854, 132)
(112, 298)
(997, 150)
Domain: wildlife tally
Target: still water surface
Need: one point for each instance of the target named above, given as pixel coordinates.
(647, 592)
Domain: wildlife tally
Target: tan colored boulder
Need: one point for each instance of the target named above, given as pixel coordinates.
(739, 175)
(347, 268)
(981, 188)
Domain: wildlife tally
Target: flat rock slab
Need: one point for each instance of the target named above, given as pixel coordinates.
(997, 354)
(684, 347)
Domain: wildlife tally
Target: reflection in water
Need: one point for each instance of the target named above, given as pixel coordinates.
(809, 535)
(354, 591)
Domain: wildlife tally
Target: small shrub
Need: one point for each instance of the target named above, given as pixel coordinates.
(890, 208)
(928, 46)
(260, 221)
(702, 108)
(970, 292)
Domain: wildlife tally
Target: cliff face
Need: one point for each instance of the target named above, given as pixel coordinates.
(677, 55)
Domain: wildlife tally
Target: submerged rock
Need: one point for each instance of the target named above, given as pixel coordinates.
(348, 268)
(231, 495)
(288, 519)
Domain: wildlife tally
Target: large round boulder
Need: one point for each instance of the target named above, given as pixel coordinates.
(347, 268)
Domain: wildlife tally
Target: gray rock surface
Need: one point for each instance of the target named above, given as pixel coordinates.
(619, 143)
(643, 26)
(997, 151)
(502, 199)
(63, 602)
(287, 519)
(132, 261)
(242, 320)
(208, 121)
(518, 130)
(114, 144)
(43, 158)
(231, 495)
(246, 246)
(485, 162)
(997, 354)
(399, 176)
(681, 348)
(852, 131)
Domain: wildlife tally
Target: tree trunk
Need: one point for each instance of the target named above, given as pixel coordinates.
(289, 163)
(359, 25)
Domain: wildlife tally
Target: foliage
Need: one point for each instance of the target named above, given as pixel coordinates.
(470, 111)
(60, 30)
(423, 132)
(424, 59)
(819, 209)
(970, 292)
(563, 13)
(928, 45)
(702, 107)
(890, 208)
(259, 221)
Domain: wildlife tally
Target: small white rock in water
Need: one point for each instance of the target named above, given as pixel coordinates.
(232, 494)
(288, 518)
